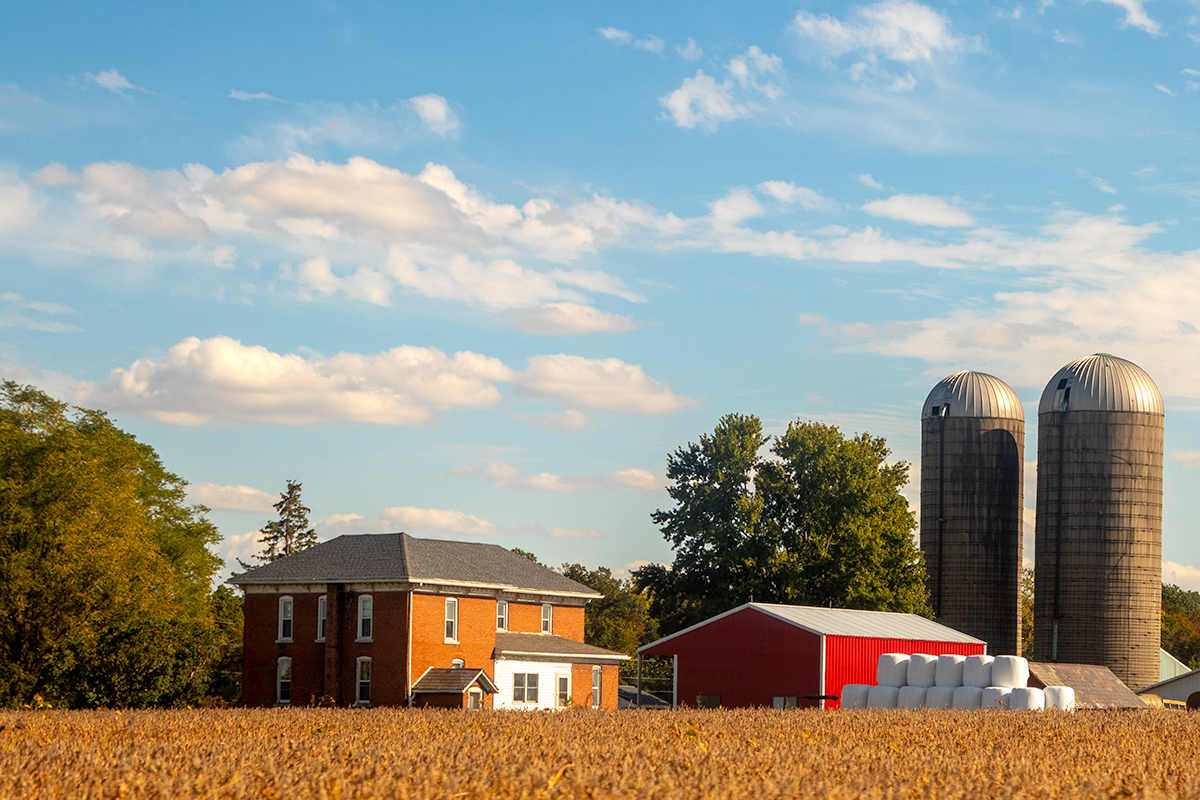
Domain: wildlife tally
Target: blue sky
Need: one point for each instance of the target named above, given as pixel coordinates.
(473, 270)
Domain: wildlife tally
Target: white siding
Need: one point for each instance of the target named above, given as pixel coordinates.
(547, 683)
(1179, 688)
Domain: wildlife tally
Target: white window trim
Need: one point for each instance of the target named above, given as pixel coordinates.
(322, 616)
(451, 602)
(597, 687)
(358, 681)
(458, 663)
(502, 612)
(525, 689)
(362, 600)
(473, 693)
(280, 665)
(279, 637)
(547, 618)
(558, 677)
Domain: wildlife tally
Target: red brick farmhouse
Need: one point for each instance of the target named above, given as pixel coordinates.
(389, 620)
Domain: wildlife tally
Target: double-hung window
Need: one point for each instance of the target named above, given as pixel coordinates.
(451, 619)
(364, 681)
(285, 619)
(283, 681)
(365, 617)
(525, 687)
(595, 687)
(501, 615)
(321, 607)
(547, 618)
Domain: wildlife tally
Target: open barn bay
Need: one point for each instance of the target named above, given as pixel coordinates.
(339, 753)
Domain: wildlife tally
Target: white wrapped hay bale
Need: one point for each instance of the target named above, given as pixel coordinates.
(911, 697)
(977, 671)
(883, 697)
(967, 697)
(892, 670)
(854, 695)
(922, 670)
(939, 696)
(1060, 698)
(950, 671)
(995, 697)
(1010, 671)
(1024, 698)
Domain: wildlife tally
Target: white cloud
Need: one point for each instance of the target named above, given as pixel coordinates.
(223, 381)
(577, 533)
(1067, 38)
(1164, 89)
(899, 30)
(921, 209)
(113, 81)
(1184, 576)
(566, 319)
(866, 180)
(237, 94)
(806, 198)
(569, 421)
(1188, 459)
(616, 35)
(232, 498)
(508, 476)
(600, 384)
(752, 65)
(15, 313)
(1136, 16)
(651, 43)
(408, 518)
(701, 102)
(638, 479)
(316, 277)
(690, 51)
(1099, 183)
(435, 114)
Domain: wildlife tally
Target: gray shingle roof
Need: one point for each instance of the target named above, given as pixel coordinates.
(381, 557)
(444, 680)
(544, 646)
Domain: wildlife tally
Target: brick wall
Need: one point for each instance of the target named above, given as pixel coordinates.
(527, 618)
(388, 648)
(476, 633)
(581, 686)
(261, 651)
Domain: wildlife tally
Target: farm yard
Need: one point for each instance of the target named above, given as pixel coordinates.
(344, 753)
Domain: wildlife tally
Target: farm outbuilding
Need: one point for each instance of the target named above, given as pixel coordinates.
(1183, 688)
(782, 656)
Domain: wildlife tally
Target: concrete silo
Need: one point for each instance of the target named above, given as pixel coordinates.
(1098, 580)
(972, 463)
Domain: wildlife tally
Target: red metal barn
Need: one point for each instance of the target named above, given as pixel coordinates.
(781, 656)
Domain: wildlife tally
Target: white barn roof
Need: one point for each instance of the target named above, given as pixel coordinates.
(844, 622)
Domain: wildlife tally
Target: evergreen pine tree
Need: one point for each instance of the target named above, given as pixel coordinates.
(290, 533)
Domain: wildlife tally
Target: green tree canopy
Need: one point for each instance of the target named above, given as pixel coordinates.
(105, 571)
(821, 521)
(290, 533)
(1181, 624)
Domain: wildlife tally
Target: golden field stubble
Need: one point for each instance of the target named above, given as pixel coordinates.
(332, 753)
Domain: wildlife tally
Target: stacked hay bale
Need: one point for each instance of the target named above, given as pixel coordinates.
(960, 682)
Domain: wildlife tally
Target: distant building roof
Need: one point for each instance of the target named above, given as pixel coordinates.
(973, 394)
(1095, 686)
(845, 622)
(1101, 382)
(385, 557)
(1178, 687)
(627, 697)
(449, 680)
(546, 647)
(1169, 666)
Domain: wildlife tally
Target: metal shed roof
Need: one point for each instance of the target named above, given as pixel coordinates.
(845, 622)
(973, 394)
(1101, 382)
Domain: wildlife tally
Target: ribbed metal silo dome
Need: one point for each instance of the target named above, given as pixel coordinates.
(972, 464)
(1098, 540)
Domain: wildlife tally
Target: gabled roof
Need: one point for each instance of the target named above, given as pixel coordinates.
(450, 680)
(844, 622)
(385, 557)
(546, 647)
(1174, 679)
(1095, 686)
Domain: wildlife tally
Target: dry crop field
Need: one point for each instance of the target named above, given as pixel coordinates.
(345, 753)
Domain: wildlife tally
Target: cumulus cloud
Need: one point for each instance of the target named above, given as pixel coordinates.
(616, 35)
(508, 476)
(605, 384)
(113, 81)
(232, 498)
(648, 42)
(651, 43)
(638, 479)
(1188, 459)
(408, 518)
(701, 102)
(569, 421)
(1184, 576)
(1136, 16)
(867, 180)
(899, 30)
(237, 94)
(566, 319)
(690, 51)
(787, 192)
(435, 114)
(223, 381)
(921, 209)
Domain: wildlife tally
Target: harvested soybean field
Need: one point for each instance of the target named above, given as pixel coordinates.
(385, 753)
